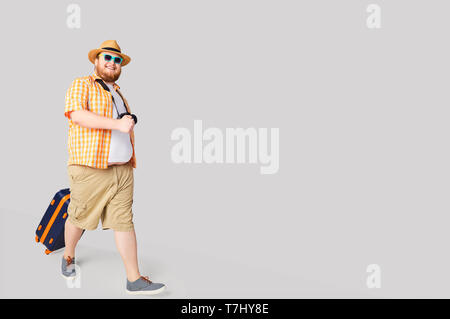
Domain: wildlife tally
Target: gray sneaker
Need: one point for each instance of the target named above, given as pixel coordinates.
(68, 267)
(144, 286)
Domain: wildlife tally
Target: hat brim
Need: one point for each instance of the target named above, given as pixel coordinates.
(93, 54)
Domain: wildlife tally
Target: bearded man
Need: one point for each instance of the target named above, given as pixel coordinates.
(101, 163)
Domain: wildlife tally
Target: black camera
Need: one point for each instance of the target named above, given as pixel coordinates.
(127, 113)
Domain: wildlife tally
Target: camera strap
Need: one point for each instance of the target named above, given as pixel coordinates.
(103, 84)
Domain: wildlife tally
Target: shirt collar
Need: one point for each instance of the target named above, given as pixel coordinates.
(95, 76)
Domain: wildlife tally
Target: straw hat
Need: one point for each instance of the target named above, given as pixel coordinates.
(109, 46)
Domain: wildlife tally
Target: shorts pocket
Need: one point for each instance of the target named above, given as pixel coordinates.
(76, 208)
(77, 173)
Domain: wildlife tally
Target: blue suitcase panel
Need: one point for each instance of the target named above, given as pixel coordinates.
(50, 231)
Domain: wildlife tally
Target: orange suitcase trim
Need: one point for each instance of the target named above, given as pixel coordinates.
(52, 220)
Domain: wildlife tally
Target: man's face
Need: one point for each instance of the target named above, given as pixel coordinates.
(107, 70)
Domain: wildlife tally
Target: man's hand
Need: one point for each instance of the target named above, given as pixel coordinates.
(126, 124)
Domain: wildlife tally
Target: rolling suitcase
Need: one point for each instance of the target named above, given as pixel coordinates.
(50, 231)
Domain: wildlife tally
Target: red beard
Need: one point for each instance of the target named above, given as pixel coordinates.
(107, 77)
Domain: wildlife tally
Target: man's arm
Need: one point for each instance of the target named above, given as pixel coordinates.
(90, 119)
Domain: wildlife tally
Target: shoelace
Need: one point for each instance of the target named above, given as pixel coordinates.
(69, 261)
(146, 279)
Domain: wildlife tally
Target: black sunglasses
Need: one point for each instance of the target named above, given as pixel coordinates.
(116, 60)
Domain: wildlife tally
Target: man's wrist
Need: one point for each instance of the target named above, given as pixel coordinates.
(115, 124)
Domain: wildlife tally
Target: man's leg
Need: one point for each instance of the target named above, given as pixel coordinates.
(127, 247)
(72, 235)
(118, 216)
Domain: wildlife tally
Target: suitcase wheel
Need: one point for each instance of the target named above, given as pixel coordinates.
(47, 251)
(37, 239)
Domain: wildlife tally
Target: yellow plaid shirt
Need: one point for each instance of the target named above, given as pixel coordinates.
(89, 146)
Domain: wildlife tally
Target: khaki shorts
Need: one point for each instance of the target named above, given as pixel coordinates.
(105, 194)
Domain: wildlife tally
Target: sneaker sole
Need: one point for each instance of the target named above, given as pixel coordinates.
(146, 292)
(69, 277)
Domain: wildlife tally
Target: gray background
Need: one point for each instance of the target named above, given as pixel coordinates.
(364, 158)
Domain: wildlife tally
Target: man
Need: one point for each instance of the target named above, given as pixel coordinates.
(101, 163)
